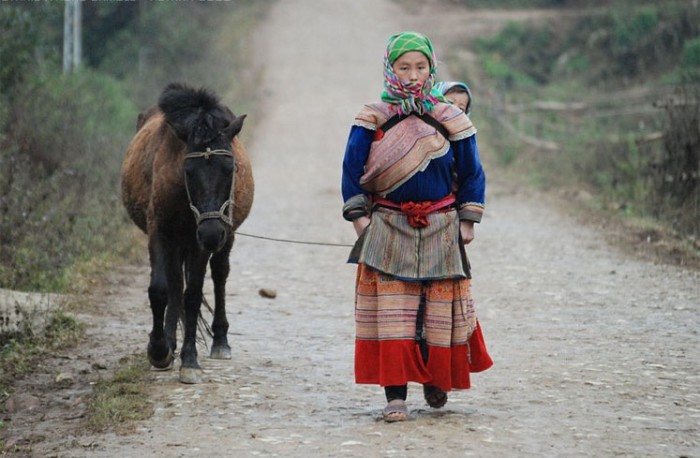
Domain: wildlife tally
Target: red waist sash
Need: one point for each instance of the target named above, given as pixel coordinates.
(417, 212)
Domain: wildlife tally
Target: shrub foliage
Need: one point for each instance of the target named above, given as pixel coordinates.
(631, 75)
(62, 137)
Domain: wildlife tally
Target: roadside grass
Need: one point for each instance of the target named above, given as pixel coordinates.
(117, 402)
(633, 228)
(20, 353)
(89, 273)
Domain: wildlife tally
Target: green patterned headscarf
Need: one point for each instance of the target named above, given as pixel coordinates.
(410, 41)
(406, 96)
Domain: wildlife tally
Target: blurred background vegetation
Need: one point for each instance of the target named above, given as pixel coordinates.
(62, 137)
(603, 101)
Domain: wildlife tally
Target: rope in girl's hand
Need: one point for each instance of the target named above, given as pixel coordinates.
(301, 242)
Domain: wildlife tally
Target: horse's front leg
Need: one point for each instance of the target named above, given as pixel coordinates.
(174, 310)
(163, 275)
(190, 371)
(220, 267)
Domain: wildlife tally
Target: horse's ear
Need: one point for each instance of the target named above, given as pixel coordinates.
(235, 127)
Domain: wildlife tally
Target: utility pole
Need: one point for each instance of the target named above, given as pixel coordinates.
(72, 35)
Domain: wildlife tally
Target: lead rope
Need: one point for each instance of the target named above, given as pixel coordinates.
(301, 242)
(226, 218)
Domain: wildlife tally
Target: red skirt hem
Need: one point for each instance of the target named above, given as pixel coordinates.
(397, 362)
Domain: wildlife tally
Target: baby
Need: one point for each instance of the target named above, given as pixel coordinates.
(457, 93)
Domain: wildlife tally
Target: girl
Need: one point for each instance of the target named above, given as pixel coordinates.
(415, 318)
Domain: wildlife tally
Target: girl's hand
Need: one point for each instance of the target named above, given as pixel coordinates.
(466, 231)
(360, 224)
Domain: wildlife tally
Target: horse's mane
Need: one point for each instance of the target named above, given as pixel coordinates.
(194, 112)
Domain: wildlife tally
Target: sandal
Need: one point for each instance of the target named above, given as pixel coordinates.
(395, 410)
(434, 396)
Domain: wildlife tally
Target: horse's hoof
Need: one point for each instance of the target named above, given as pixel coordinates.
(164, 364)
(220, 353)
(169, 367)
(190, 375)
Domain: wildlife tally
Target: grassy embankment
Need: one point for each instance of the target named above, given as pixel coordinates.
(601, 107)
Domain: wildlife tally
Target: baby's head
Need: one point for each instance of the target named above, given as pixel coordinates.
(457, 93)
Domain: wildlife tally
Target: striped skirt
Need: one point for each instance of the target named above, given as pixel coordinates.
(386, 350)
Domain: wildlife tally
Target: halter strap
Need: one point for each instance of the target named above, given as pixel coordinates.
(208, 152)
(221, 214)
(224, 213)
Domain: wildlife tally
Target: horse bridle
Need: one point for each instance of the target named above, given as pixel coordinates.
(222, 213)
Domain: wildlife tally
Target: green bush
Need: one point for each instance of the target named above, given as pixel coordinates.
(511, 58)
(691, 54)
(59, 185)
(628, 31)
(29, 39)
(506, 41)
(628, 43)
(94, 114)
(532, 52)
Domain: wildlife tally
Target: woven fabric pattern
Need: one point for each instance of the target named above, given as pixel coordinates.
(408, 148)
(386, 352)
(390, 245)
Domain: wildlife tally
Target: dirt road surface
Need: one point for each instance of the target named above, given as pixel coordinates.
(596, 352)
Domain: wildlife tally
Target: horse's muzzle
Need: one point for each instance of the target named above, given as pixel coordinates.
(211, 235)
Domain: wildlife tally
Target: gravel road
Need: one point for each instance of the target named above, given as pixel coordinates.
(596, 352)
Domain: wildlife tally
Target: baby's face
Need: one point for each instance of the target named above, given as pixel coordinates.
(460, 99)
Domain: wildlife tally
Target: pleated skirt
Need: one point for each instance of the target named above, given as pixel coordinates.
(387, 351)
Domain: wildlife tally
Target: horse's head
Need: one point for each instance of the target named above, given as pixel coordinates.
(207, 128)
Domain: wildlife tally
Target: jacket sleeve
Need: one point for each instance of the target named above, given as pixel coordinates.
(355, 198)
(471, 180)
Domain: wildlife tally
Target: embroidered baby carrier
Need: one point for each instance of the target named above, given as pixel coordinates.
(405, 145)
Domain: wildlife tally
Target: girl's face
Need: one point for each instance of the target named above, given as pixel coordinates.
(412, 67)
(460, 99)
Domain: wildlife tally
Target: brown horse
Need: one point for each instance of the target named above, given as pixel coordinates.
(187, 183)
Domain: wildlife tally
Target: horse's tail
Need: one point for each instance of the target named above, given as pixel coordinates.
(203, 327)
